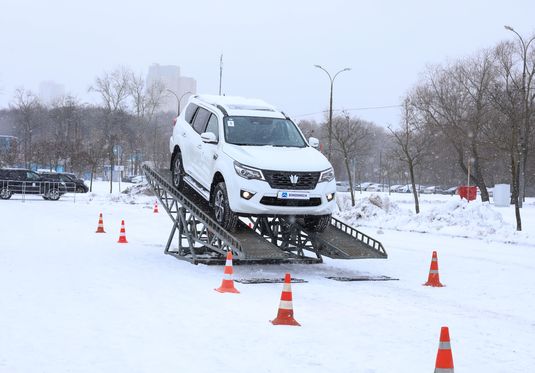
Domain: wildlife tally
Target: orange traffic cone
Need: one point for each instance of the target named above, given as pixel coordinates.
(227, 285)
(444, 362)
(433, 279)
(100, 228)
(122, 236)
(155, 207)
(285, 316)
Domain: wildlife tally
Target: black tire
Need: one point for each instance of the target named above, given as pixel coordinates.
(317, 223)
(222, 212)
(5, 193)
(177, 171)
(53, 194)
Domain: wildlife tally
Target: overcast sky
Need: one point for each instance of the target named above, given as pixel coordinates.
(269, 47)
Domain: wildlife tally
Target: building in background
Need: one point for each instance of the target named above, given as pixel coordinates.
(169, 76)
(50, 91)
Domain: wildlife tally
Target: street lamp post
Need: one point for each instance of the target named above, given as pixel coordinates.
(523, 130)
(179, 100)
(330, 126)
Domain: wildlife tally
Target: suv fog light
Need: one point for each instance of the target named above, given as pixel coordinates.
(246, 195)
(330, 197)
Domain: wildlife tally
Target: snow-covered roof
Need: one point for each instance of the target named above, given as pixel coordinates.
(235, 105)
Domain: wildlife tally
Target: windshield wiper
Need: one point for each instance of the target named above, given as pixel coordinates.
(246, 144)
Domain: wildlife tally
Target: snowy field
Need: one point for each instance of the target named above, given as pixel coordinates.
(75, 301)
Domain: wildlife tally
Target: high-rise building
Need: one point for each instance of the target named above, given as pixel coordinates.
(169, 76)
(50, 91)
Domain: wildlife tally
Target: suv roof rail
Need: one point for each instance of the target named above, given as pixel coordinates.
(225, 113)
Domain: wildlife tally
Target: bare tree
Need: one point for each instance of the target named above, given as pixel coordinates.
(507, 98)
(524, 82)
(26, 105)
(413, 144)
(114, 91)
(351, 137)
(453, 101)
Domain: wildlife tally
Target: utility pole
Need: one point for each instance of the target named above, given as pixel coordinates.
(220, 72)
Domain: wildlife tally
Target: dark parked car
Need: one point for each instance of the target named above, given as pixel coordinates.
(72, 183)
(23, 181)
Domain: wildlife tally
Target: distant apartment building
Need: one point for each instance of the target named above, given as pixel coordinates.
(50, 91)
(169, 76)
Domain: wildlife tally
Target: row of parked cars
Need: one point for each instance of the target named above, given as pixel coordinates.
(343, 186)
(50, 185)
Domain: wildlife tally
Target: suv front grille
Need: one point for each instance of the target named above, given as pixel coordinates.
(282, 179)
(274, 201)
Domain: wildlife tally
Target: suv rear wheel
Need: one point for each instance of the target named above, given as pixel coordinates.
(222, 212)
(317, 223)
(177, 171)
(5, 193)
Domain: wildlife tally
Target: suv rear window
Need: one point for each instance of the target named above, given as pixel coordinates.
(190, 113)
(201, 118)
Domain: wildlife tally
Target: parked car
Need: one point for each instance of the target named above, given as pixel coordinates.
(342, 186)
(246, 158)
(24, 181)
(393, 188)
(451, 191)
(377, 188)
(363, 186)
(432, 190)
(72, 183)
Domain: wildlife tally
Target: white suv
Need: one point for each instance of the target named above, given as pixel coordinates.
(247, 158)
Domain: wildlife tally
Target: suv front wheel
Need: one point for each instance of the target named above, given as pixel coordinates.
(222, 212)
(317, 223)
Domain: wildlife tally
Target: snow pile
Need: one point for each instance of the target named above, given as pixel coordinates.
(139, 189)
(369, 208)
(455, 217)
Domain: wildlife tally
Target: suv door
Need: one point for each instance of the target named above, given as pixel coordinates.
(195, 143)
(33, 183)
(207, 154)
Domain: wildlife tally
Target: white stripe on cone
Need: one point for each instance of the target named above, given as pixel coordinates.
(286, 305)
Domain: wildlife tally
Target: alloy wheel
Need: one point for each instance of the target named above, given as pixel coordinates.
(219, 206)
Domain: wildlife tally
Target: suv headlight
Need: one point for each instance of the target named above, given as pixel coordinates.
(248, 172)
(327, 175)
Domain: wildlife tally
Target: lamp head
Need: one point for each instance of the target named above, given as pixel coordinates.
(509, 28)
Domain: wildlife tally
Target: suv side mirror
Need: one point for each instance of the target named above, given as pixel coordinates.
(314, 142)
(209, 137)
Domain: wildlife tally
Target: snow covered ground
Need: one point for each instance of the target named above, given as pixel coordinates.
(75, 301)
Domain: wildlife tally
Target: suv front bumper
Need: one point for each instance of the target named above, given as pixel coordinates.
(266, 202)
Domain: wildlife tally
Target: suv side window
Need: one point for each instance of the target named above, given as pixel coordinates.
(190, 113)
(201, 118)
(213, 126)
(32, 176)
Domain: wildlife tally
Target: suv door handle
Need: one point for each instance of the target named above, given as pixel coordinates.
(199, 146)
(183, 134)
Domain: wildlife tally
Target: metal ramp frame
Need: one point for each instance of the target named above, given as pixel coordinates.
(200, 239)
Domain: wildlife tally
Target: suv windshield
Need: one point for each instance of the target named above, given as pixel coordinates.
(259, 131)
